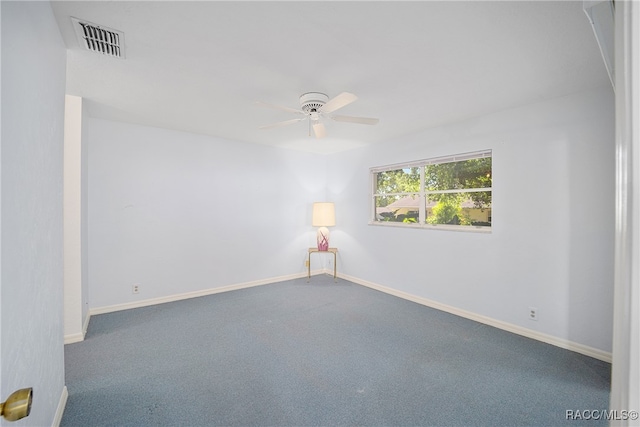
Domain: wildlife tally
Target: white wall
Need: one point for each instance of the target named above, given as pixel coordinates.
(178, 212)
(33, 86)
(553, 216)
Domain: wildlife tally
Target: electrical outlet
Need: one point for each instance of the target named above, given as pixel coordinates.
(533, 313)
(135, 289)
(306, 263)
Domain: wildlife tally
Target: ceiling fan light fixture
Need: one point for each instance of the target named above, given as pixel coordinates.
(312, 101)
(315, 106)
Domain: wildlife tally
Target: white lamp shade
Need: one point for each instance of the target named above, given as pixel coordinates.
(324, 214)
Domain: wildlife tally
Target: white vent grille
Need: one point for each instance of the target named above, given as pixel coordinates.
(99, 39)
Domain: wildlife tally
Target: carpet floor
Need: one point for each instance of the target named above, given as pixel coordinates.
(319, 354)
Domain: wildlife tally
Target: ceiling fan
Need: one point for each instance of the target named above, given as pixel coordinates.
(315, 106)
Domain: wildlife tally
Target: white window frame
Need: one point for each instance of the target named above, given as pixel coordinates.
(422, 194)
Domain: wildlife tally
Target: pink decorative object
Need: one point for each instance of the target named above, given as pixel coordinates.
(323, 239)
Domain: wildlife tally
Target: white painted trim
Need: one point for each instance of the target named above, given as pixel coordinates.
(558, 342)
(73, 338)
(85, 324)
(62, 403)
(72, 217)
(204, 292)
(78, 337)
(625, 371)
(437, 227)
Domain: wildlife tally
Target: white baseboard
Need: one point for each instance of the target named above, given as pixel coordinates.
(85, 324)
(62, 403)
(79, 336)
(187, 295)
(549, 339)
(73, 338)
(558, 342)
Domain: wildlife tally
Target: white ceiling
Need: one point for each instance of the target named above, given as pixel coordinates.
(200, 66)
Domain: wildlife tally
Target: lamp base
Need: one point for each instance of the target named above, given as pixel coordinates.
(322, 238)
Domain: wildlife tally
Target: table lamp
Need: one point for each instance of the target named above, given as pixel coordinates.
(324, 215)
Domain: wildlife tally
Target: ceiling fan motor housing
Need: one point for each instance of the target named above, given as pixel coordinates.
(311, 102)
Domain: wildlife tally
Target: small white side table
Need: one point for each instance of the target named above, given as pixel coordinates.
(333, 251)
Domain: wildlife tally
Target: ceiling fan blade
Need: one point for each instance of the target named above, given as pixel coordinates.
(345, 98)
(360, 120)
(279, 124)
(319, 130)
(279, 107)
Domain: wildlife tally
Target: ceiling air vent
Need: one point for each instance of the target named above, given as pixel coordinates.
(99, 39)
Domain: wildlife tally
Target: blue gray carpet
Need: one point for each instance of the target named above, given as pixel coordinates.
(319, 354)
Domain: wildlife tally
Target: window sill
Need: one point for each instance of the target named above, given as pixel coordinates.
(440, 227)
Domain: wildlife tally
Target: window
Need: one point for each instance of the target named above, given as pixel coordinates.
(452, 192)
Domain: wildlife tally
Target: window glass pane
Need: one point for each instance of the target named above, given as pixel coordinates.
(472, 208)
(474, 173)
(398, 181)
(398, 208)
(453, 190)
